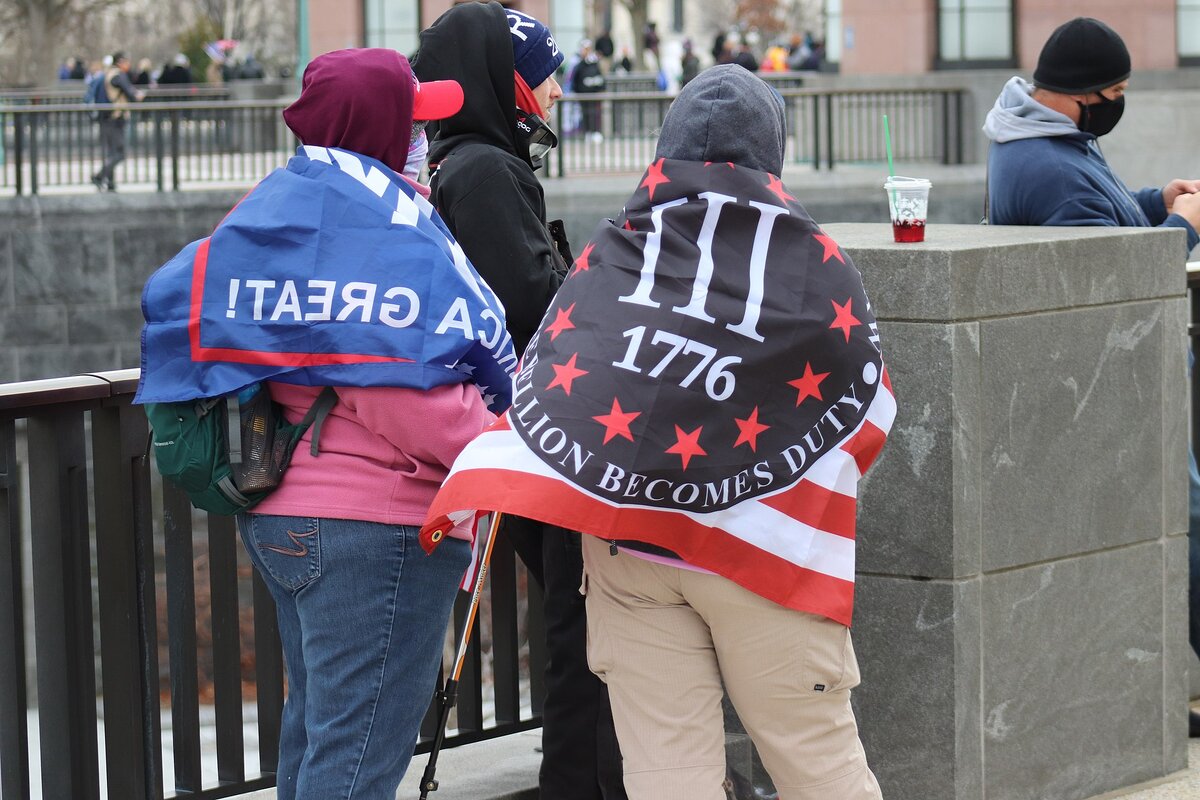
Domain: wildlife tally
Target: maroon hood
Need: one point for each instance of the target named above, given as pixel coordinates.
(359, 100)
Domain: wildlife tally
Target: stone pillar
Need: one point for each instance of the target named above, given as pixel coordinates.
(1022, 599)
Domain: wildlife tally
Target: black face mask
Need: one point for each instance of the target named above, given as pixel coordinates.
(540, 137)
(1100, 118)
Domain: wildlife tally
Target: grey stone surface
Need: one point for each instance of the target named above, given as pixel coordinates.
(1176, 403)
(33, 325)
(919, 514)
(137, 252)
(6, 271)
(62, 266)
(966, 272)
(1178, 652)
(116, 324)
(918, 646)
(1072, 432)
(64, 258)
(1036, 471)
(1073, 676)
(8, 365)
(65, 359)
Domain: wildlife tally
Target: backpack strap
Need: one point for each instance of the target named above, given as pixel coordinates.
(317, 413)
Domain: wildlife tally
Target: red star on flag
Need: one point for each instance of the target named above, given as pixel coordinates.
(808, 384)
(654, 177)
(581, 263)
(775, 185)
(750, 428)
(616, 422)
(831, 248)
(565, 374)
(844, 319)
(562, 322)
(687, 445)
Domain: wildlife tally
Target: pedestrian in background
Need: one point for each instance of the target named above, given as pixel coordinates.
(120, 92)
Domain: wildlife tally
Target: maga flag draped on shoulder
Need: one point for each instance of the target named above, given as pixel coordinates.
(331, 272)
(707, 380)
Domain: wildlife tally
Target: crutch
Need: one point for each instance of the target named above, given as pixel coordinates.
(448, 696)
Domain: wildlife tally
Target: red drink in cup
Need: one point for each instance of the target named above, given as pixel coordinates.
(908, 201)
(909, 231)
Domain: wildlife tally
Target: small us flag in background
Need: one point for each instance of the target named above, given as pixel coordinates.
(708, 380)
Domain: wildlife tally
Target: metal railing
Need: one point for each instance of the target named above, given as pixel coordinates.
(824, 128)
(73, 95)
(168, 145)
(172, 146)
(113, 550)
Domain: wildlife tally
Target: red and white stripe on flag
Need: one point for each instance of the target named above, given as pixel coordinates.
(794, 547)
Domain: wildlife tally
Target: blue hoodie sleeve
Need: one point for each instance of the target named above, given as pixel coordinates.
(1151, 201)
(1176, 221)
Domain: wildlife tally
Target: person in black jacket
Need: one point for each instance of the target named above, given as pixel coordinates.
(588, 78)
(483, 184)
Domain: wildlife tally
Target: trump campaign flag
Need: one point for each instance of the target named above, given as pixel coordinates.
(708, 380)
(332, 272)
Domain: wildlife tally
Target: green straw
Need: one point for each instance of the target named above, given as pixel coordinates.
(887, 138)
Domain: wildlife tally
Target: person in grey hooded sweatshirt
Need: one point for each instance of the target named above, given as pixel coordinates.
(677, 615)
(1045, 166)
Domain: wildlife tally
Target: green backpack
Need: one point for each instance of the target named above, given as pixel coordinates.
(191, 446)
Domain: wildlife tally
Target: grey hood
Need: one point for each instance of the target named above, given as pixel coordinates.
(726, 113)
(1016, 115)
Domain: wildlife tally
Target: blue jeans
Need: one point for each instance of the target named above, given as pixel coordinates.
(363, 612)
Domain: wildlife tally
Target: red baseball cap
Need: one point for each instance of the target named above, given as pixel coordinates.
(436, 99)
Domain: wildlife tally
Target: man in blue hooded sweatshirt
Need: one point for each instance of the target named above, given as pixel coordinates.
(1046, 168)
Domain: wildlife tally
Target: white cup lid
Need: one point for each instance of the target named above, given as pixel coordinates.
(900, 182)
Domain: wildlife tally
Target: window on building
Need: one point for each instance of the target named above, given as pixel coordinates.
(1189, 32)
(975, 33)
(833, 31)
(392, 23)
(677, 16)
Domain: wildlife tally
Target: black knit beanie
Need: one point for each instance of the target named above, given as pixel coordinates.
(1082, 56)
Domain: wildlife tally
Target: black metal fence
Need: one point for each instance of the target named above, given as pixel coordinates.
(168, 145)
(112, 550)
(609, 132)
(179, 145)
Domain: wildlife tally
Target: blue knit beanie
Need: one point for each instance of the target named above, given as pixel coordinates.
(535, 53)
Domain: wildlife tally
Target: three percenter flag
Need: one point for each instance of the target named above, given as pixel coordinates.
(708, 380)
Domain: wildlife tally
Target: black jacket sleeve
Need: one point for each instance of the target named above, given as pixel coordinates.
(499, 223)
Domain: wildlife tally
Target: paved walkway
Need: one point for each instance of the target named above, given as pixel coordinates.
(1180, 786)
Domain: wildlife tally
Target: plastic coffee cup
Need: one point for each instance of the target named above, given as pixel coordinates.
(908, 200)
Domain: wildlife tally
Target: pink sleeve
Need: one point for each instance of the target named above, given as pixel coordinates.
(430, 425)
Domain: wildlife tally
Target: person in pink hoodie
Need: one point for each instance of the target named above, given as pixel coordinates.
(362, 609)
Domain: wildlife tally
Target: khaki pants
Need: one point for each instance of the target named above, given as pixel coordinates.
(666, 640)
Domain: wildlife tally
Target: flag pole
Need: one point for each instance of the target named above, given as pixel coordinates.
(448, 696)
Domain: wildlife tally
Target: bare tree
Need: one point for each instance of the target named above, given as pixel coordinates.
(639, 15)
(41, 23)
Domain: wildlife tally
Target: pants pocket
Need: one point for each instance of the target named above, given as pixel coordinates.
(288, 548)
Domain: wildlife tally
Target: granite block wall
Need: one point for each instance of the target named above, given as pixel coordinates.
(1021, 611)
(72, 270)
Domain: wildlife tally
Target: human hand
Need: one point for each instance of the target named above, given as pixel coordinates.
(1188, 207)
(1177, 187)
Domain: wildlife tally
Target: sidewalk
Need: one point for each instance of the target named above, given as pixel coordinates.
(1183, 785)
